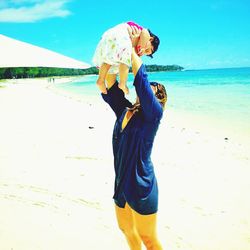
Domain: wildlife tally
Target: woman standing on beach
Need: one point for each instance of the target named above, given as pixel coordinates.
(136, 191)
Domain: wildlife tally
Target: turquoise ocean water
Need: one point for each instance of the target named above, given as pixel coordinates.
(222, 96)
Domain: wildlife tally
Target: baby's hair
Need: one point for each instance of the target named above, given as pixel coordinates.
(155, 42)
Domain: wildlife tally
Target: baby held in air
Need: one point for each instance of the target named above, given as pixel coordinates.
(114, 50)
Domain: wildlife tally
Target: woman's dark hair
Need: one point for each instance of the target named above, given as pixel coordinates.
(155, 42)
(161, 95)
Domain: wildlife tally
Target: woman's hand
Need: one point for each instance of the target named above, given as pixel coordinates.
(134, 34)
(140, 51)
(147, 50)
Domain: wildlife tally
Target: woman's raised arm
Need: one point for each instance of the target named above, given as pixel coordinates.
(150, 105)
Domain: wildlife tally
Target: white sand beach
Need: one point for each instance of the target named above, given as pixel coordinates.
(56, 177)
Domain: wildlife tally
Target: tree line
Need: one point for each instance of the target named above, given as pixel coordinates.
(32, 72)
(155, 68)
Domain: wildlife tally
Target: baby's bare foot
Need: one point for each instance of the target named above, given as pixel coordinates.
(124, 88)
(101, 85)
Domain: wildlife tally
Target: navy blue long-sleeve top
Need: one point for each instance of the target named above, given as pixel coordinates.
(135, 181)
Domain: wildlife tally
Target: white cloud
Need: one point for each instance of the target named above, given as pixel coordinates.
(32, 10)
(24, 1)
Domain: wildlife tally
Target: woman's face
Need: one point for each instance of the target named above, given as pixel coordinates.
(154, 88)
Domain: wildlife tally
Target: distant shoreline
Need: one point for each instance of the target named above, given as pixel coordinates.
(232, 68)
(34, 72)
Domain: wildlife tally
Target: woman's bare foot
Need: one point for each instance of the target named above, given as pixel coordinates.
(124, 88)
(101, 85)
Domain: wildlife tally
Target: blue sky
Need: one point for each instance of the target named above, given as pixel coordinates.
(193, 34)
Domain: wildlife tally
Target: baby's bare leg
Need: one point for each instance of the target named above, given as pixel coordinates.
(110, 80)
(123, 72)
(102, 75)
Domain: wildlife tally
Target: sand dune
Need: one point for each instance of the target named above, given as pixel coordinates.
(15, 53)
